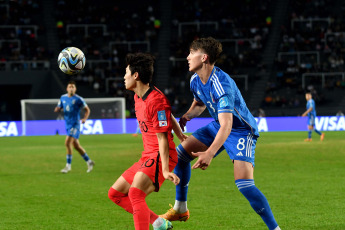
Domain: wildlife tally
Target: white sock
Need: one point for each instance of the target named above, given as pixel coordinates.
(158, 222)
(69, 166)
(180, 206)
(89, 161)
(277, 228)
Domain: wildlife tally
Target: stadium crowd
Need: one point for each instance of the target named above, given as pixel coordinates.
(20, 32)
(311, 42)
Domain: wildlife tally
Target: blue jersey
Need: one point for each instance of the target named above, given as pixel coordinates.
(311, 104)
(221, 95)
(71, 107)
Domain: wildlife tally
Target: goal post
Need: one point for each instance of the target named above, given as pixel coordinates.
(101, 108)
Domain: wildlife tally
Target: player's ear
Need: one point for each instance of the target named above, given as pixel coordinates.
(204, 57)
(136, 76)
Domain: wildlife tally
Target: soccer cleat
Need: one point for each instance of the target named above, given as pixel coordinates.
(322, 137)
(308, 140)
(167, 225)
(172, 215)
(66, 169)
(90, 166)
(134, 134)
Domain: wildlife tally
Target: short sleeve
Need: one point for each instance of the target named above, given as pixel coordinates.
(193, 87)
(60, 104)
(225, 104)
(160, 114)
(310, 104)
(82, 102)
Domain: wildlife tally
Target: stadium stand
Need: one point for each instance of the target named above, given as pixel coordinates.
(274, 50)
(310, 57)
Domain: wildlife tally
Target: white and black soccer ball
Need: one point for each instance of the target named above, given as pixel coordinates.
(71, 60)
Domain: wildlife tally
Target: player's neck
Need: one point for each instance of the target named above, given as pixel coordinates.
(141, 89)
(70, 95)
(205, 72)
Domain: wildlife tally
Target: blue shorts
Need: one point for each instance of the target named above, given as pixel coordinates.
(311, 120)
(73, 131)
(240, 145)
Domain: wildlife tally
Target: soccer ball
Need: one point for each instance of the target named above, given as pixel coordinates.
(71, 60)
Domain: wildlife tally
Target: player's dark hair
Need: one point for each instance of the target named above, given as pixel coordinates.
(72, 83)
(210, 46)
(142, 63)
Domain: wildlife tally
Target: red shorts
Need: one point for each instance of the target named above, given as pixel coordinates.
(148, 165)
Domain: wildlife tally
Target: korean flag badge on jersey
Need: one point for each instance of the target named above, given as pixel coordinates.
(162, 118)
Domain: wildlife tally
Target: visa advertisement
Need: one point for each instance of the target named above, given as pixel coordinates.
(119, 126)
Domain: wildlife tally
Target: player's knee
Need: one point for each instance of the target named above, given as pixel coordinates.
(182, 154)
(114, 195)
(76, 146)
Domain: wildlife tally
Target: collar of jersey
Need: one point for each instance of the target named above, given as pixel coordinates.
(146, 94)
(209, 78)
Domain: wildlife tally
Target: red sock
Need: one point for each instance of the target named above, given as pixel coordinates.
(120, 199)
(123, 201)
(141, 213)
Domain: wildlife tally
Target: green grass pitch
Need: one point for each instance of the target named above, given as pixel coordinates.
(303, 182)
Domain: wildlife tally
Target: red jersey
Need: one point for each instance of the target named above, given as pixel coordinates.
(153, 112)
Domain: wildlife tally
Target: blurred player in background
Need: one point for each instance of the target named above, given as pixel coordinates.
(153, 112)
(215, 90)
(71, 103)
(311, 113)
(137, 131)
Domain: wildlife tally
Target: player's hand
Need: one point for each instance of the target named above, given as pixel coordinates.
(172, 177)
(83, 120)
(183, 121)
(182, 137)
(204, 160)
(57, 109)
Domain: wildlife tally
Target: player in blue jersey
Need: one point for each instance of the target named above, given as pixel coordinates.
(311, 113)
(71, 104)
(233, 129)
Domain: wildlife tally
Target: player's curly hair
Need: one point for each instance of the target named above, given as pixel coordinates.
(143, 64)
(210, 46)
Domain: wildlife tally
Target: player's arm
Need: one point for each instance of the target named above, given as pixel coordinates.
(195, 110)
(177, 130)
(164, 154)
(58, 108)
(205, 158)
(306, 112)
(86, 115)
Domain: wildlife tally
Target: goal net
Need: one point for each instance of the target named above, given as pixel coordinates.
(106, 112)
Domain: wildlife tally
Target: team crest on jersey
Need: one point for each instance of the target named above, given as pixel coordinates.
(162, 116)
(223, 102)
(73, 101)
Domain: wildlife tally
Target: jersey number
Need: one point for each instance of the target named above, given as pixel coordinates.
(240, 145)
(143, 126)
(211, 107)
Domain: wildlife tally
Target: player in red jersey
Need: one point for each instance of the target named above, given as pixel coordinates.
(159, 157)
